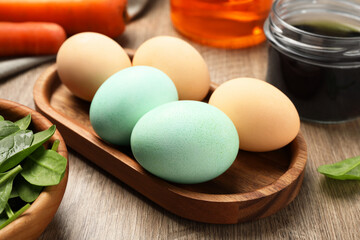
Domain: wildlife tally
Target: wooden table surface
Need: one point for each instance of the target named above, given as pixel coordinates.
(98, 206)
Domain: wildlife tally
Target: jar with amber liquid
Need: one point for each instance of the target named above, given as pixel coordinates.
(221, 23)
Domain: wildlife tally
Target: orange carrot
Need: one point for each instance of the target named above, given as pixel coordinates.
(30, 38)
(102, 16)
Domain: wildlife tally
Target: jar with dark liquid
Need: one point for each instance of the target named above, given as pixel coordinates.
(314, 56)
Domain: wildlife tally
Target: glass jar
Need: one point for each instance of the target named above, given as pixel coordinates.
(221, 23)
(314, 56)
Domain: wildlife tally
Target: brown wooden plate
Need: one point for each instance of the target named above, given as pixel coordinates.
(255, 186)
(34, 220)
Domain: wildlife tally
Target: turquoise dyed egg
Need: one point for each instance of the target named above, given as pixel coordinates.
(185, 142)
(125, 97)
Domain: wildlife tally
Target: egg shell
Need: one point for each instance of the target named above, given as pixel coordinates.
(180, 61)
(125, 97)
(264, 117)
(86, 60)
(185, 142)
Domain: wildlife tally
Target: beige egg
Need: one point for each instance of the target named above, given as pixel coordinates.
(264, 117)
(180, 61)
(86, 60)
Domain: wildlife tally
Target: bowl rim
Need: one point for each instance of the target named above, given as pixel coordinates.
(51, 197)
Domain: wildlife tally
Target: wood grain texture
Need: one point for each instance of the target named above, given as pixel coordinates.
(34, 220)
(255, 186)
(98, 206)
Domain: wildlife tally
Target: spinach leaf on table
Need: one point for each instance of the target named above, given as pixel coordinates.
(348, 169)
(6, 183)
(26, 191)
(24, 123)
(44, 167)
(7, 128)
(1, 118)
(39, 139)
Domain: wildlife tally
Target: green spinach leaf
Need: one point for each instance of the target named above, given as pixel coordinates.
(16, 215)
(13, 193)
(6, 182)
(7, 128)
(27, 192)
(3, 217)
(348, 169)
(8, 211)
(39, 139)
(5, 145)
(23, 123)
(1, 118)
(14, 143)
(44, 167)
(22, 140)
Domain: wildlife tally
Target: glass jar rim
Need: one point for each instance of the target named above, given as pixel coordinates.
(295, 29)
(308, 46)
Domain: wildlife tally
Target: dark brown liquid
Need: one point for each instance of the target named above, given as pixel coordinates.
(325, 94)
(328, 29)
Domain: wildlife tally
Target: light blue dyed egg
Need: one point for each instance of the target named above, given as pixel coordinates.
(185, 142)
(125, 97)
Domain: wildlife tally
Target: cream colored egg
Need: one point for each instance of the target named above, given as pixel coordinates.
(180, 61)
(264, 117)
(86, 60)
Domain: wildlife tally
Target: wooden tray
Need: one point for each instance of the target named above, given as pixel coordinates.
(256, 185)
